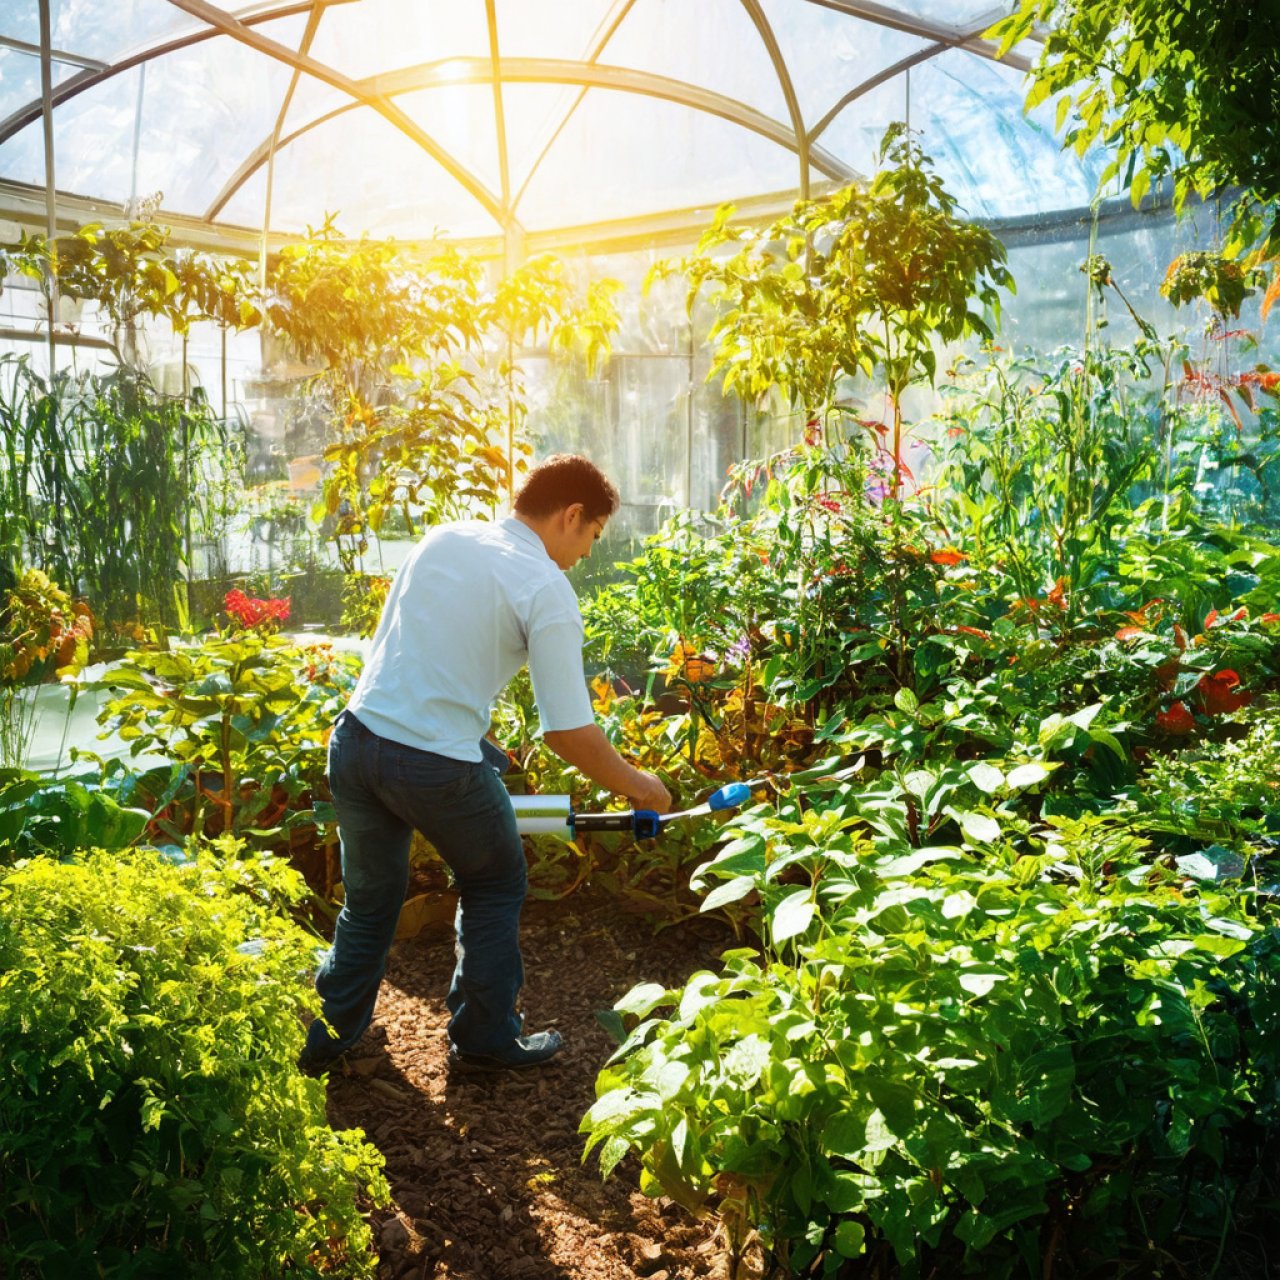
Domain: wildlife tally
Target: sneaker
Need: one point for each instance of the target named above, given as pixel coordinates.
(315, 1067)
(524, 1051)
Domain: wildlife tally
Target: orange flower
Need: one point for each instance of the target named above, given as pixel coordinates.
(1130, 633)
(1270, 617)
(602, 689)
(1177, 721)
(948, 556)
(687, 663)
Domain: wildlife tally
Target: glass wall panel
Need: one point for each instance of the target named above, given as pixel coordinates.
(624, 154)
(713, 44)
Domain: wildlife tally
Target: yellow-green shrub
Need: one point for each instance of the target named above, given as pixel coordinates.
(152, 1119)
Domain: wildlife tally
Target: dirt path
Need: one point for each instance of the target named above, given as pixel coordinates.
(487, 1170)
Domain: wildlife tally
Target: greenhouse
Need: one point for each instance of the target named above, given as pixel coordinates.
(639, 638)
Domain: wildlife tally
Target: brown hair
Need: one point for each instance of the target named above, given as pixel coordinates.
(563, 479)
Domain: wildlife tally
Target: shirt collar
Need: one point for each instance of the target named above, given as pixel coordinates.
(521, 530)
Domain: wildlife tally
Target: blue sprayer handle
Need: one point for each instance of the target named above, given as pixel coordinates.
(730, 796)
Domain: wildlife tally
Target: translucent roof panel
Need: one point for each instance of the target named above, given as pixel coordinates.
(100, 31)
(604, 165)
(194, 111)
(396, 190)
(828, 55)
(689, 42)
(20, 76)
(550, 28)
(968, 110)
(608, 111)
(374, 36)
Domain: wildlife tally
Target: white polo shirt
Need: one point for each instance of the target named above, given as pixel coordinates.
(471, 604)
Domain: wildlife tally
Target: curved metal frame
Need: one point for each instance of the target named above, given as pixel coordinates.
(376, 92)
(788, 90)
(86, 79)
(272, 48)
(470, 71)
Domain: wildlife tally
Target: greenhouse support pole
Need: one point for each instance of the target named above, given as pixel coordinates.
(50, 190)
(688, 421)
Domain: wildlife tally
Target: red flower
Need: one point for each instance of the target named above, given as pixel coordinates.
(1177, 721)
(1270, 617)
(948, 556)
(249, 611)
(1217, 693)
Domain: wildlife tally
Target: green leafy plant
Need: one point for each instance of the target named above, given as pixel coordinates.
(245, 719)
(95, 487)
(955, 1051)
(1171, 96)
(859, 282)
(152, 1118)
(420, 373)
(42, 631)
(61, 816)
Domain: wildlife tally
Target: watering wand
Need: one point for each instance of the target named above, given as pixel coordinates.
(539, 815)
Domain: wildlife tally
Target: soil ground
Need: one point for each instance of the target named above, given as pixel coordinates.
(486, 1170)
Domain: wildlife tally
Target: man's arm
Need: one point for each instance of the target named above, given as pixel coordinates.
(590, 752)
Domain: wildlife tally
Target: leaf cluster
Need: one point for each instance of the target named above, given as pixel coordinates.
(956, 1048)
(244, 720)
(1178, 90)
(152, 1119)
(867, 278)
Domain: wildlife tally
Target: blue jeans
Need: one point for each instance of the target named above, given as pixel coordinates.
(382, 791)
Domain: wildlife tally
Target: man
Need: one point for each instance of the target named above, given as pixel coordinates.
(470, 606)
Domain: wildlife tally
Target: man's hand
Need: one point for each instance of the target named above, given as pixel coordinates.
(652, 795)
(589, 751)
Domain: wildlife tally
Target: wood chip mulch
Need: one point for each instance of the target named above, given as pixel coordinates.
(486, 1171)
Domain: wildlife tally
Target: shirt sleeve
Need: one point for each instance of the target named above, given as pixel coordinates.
(555, 664)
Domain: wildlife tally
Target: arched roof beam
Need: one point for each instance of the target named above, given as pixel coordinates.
(964, 36)
(510, 227)
(757, 16)
(99, 72)
(359, 91)
(468, 71)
